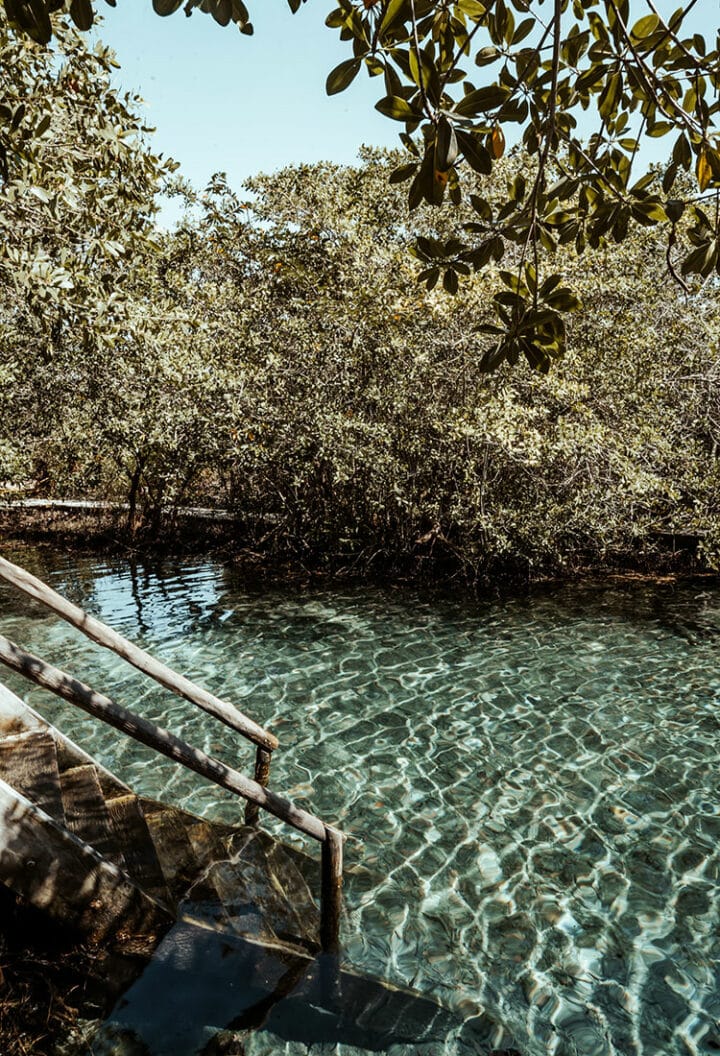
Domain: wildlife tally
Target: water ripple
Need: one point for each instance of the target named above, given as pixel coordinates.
(533, 782)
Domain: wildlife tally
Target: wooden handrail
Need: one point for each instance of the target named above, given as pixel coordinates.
(149, 733)
(101, 634)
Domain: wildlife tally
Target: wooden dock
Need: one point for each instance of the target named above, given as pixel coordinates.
(86, 815)
(76, 842)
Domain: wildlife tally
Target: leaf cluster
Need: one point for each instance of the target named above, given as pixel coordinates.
(278, 357)
(465, 77)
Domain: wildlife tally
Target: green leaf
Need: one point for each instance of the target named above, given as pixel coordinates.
(81, 13)
(446, 145)
(703, 170)
(428, 247)
(610, 96)
(479, 257)
(430, 277)
(481, 206)
(492, 357)
(701, 261)
(474, 9)
(33, 17)
(342, 76)
(403, 173)
(486, 55)
(166, 7)
(222, 12)
(422, 71)
(681, 151)
(645, 27)
(563, 300)
(393, 13)
(396, 108)
(660, 128)
(524, 30)
(648, 213)
(674, 209)
(482, 99)
(475, 152)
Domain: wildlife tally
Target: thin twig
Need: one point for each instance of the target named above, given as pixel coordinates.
(432, 116)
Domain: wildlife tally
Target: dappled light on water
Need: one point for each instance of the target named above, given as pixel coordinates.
(530, 785)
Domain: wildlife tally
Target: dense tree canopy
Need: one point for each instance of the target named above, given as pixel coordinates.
(275, 354)
(579, 83)
(77, 206)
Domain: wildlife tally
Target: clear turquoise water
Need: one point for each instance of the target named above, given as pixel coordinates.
(532, 785)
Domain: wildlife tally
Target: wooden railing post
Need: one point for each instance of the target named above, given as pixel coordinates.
(147, 732)
(263, 758)
(331, 891)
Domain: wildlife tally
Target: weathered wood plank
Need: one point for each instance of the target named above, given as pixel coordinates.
(56, 872)
(141, 729)
(86, 812)
(133, 835)
(70, 756)
(110, 639)
(206, 843)
(331, 896)
(269, 875)
(29, 764)
(168, 830)
(16, 716)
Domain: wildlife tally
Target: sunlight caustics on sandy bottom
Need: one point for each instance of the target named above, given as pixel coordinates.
(531, 784)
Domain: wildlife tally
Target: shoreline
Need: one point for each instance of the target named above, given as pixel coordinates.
(88, 527)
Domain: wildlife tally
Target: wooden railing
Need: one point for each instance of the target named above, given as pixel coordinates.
(254, 791)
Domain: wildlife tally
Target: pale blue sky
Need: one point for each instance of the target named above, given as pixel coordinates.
(221, 101)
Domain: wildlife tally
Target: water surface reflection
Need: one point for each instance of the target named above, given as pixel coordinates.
(531, 784)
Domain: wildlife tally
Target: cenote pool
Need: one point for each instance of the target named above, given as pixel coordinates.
(532, 785)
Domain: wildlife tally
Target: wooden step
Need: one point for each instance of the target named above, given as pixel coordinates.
(206, 842)
(55, 871)
(263, 892)
(238, 909)
(70, 757)
(168, 829)
(133, 836)
(86, 812)
(209, 981)
(275, 877)
(17, 717)
(28, 762)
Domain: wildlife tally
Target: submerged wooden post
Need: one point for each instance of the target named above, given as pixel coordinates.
(331, 891)
(263, 758)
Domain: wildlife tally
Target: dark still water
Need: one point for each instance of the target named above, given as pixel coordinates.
(532, 785)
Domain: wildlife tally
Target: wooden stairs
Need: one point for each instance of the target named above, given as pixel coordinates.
(78, 843)
(218, 920)
(126, 856)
